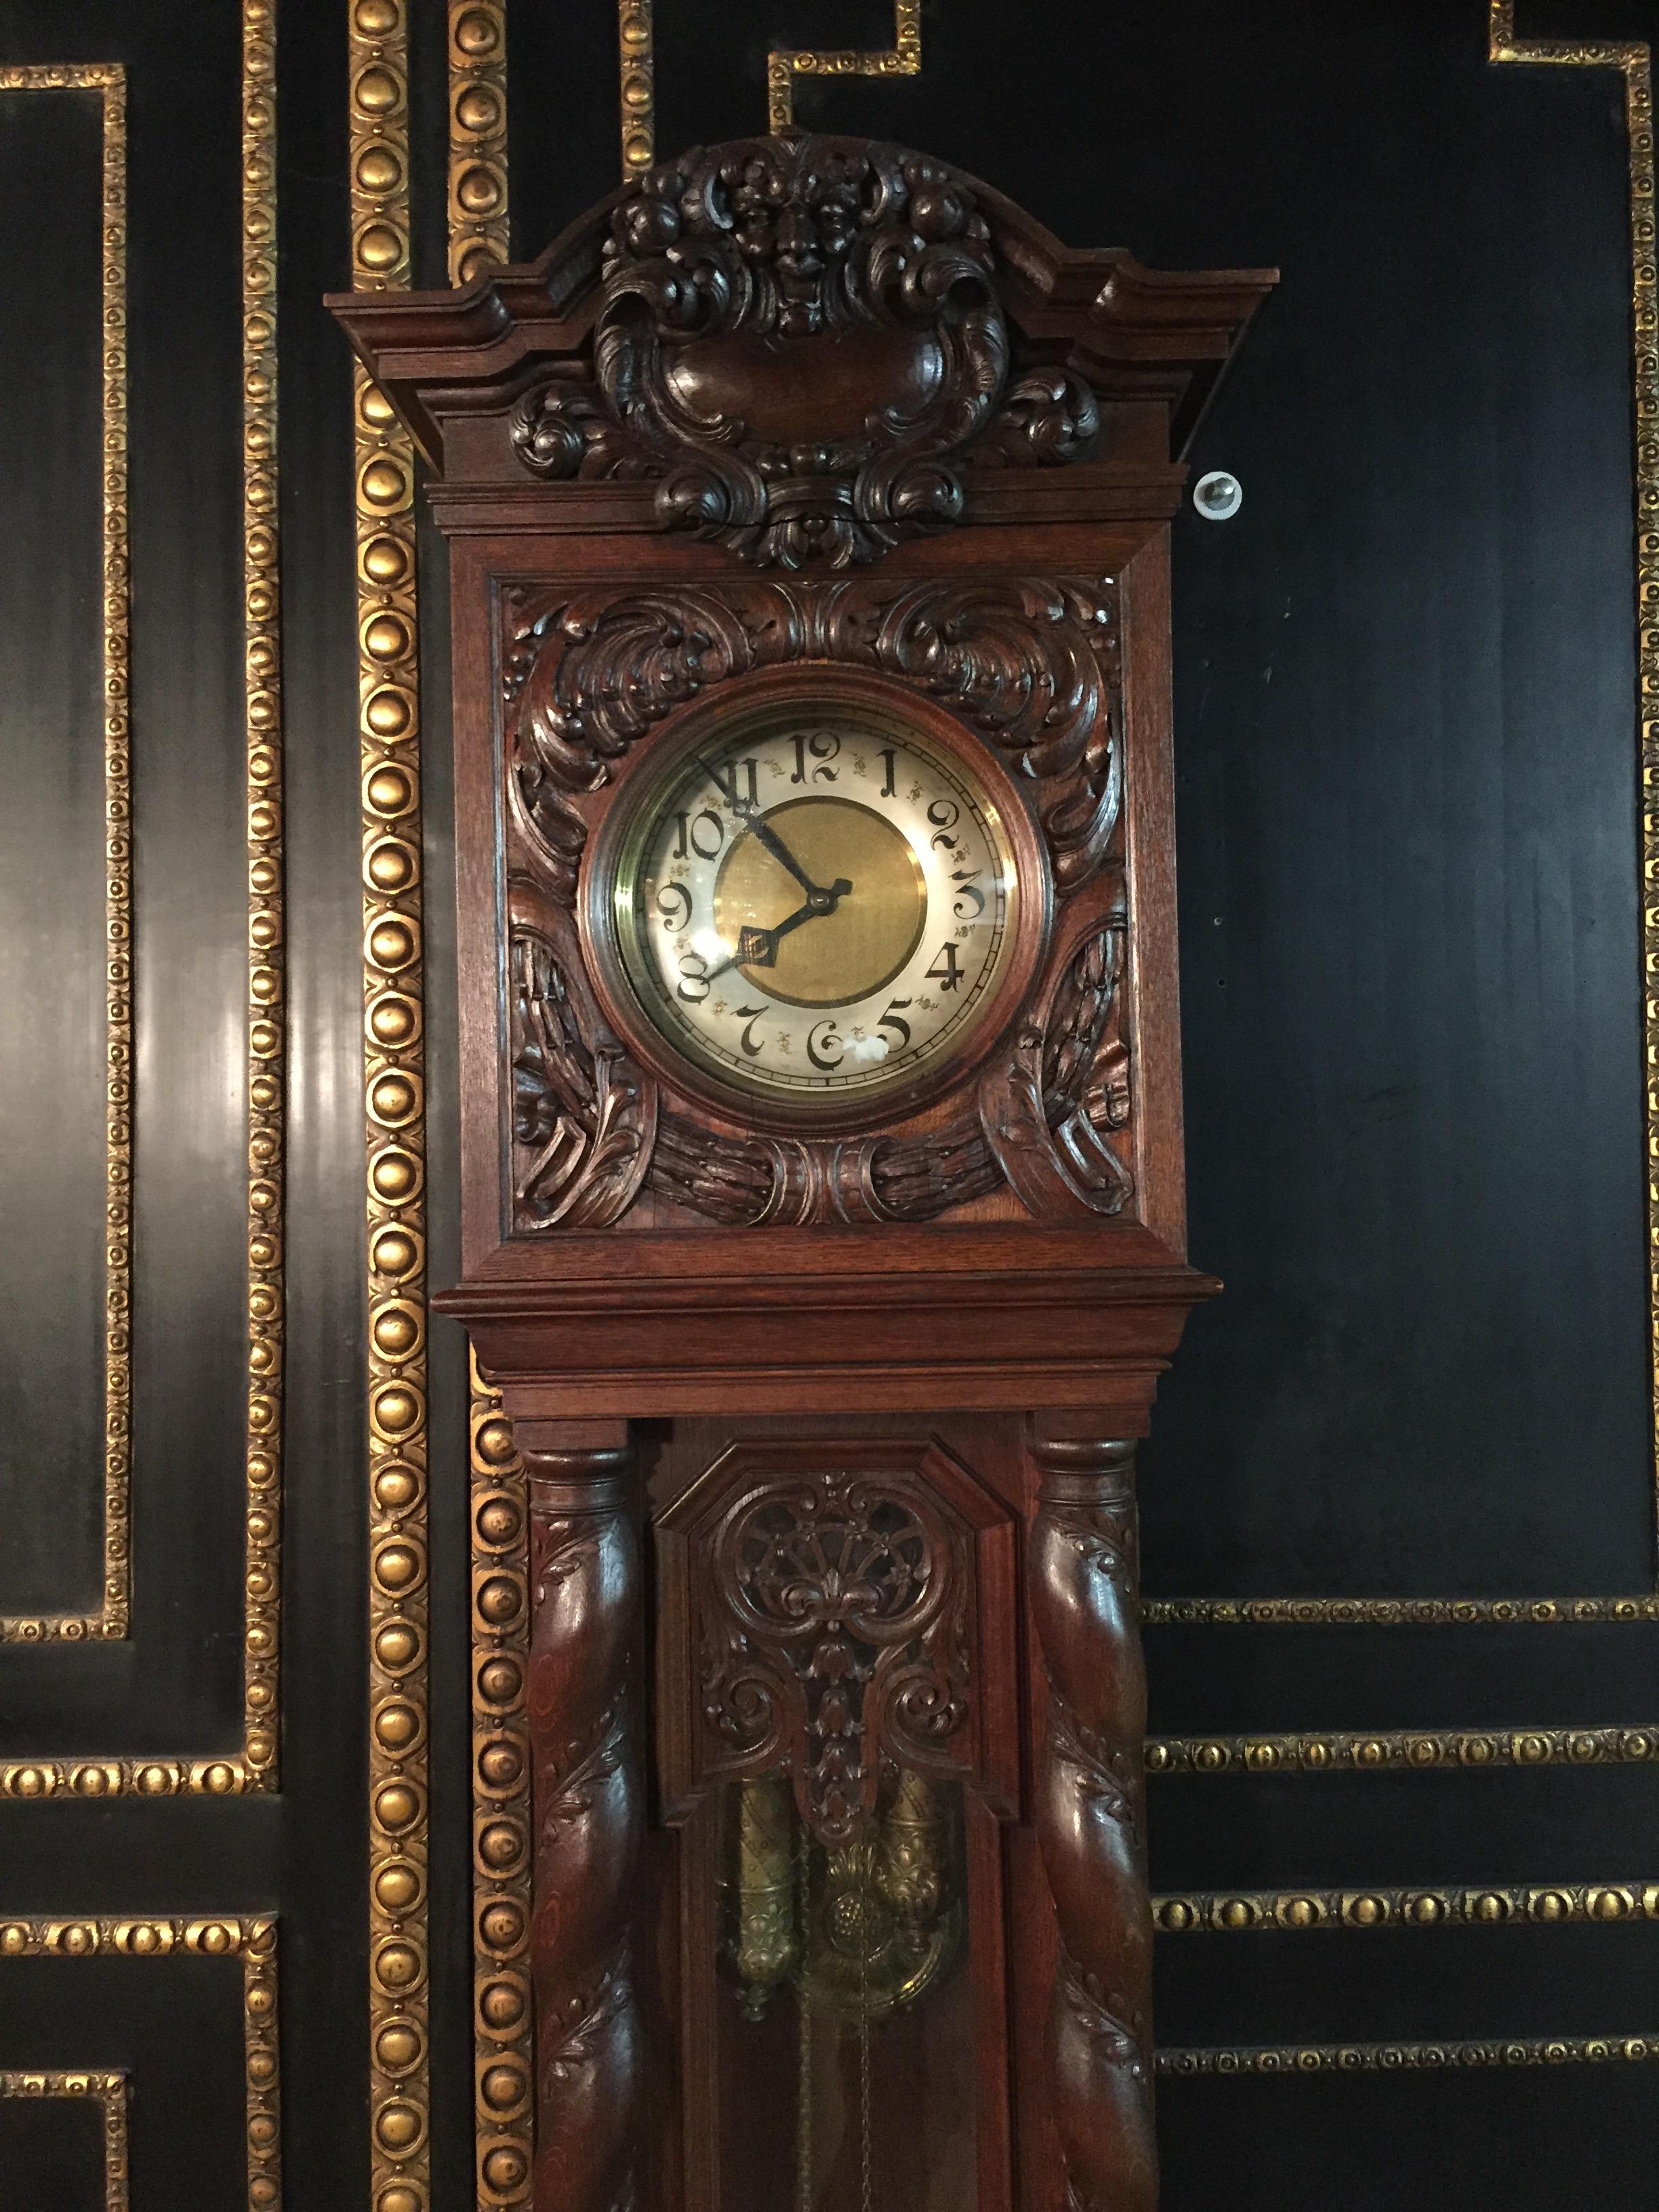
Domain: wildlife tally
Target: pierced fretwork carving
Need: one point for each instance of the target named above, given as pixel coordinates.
(720, 273)
(825, 1600)
(837, 1638)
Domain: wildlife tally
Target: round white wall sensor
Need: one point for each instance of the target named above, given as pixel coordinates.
(1218, 496)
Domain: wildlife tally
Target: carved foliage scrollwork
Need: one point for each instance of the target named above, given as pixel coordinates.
(821, 1620)
(589, 1795)
(1030, 664)
(733, 256)
(1083, 1598)
(833, 1615)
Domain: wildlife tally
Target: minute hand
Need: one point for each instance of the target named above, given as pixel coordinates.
(748, 812)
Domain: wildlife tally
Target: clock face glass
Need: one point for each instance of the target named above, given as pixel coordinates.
(815, 902)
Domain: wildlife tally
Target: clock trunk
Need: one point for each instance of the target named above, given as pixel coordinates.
(808, 475)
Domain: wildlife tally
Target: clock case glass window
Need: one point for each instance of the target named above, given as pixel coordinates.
(815, 902)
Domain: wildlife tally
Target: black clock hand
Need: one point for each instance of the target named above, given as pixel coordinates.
(748, 812)
(759, 948)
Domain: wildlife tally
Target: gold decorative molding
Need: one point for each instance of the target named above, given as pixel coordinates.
(113, 1617)
(109, 2091)
(637, 61)
(1633, 60)
(1392, 1612)
(477, 137)
(503, 2053)
(253, 1766)
(267, 1017)
(784, 64)
(1382, 1751)
(394, 1110)
(1540, 1904)
(1411, 2057)
(253, 1939)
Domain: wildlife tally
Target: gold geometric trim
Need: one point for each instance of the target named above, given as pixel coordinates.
(394, 1113)
(1632, 57)
(267, 994)
(1239, 1912)
(253, 1940)
(1392, 1612)
(477, 137)
(1633, 60)
(1411, 2057)
(637, 60)
(110, 2090)
(253, 1766)
(112, 1618)
(784, 64)
(502, 2019)
(1382, 1750)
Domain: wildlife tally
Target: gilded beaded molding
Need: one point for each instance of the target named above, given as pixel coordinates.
(1421, 1750)
(394, 1110)
(253, 1939)
(253, 1766)
(1392, 1612)
(503, 2020)
(1633, 58)
(784, 64)
(637, 64)
(113, 1616)
(1541, 1905)
(109, 2092)
(477, 137)
(1411, 2057)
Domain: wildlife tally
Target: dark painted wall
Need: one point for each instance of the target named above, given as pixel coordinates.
(1407, 791)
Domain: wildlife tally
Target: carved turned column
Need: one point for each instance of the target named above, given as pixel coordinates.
(1084, 1596)
(589, 1812)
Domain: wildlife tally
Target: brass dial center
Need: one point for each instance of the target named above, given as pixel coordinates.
(874, 928)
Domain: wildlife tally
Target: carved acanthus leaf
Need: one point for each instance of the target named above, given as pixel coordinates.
(1032, 664)
(721, 263)
(1047, 418)
(834, 1630)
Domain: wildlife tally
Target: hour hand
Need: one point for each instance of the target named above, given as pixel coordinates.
(759, 948)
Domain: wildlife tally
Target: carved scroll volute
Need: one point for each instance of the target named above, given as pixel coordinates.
(585, 1716)
(1084, 1598)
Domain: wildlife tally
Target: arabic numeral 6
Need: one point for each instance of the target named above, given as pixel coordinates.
(825, 1046)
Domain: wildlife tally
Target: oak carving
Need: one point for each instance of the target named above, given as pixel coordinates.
(720, 273)
(589, 1796)
(1083, 1591)
(1032, 665)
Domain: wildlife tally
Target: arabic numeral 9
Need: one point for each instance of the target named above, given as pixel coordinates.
(674, 905)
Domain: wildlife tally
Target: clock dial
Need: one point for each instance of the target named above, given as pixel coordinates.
(815, 902)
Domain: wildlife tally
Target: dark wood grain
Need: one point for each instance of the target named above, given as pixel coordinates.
(585, 1710)
(886, 438)
(1083, 1599)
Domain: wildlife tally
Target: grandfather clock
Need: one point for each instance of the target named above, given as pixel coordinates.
(808, 506)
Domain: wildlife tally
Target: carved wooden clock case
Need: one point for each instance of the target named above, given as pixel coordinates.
(808, 506)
